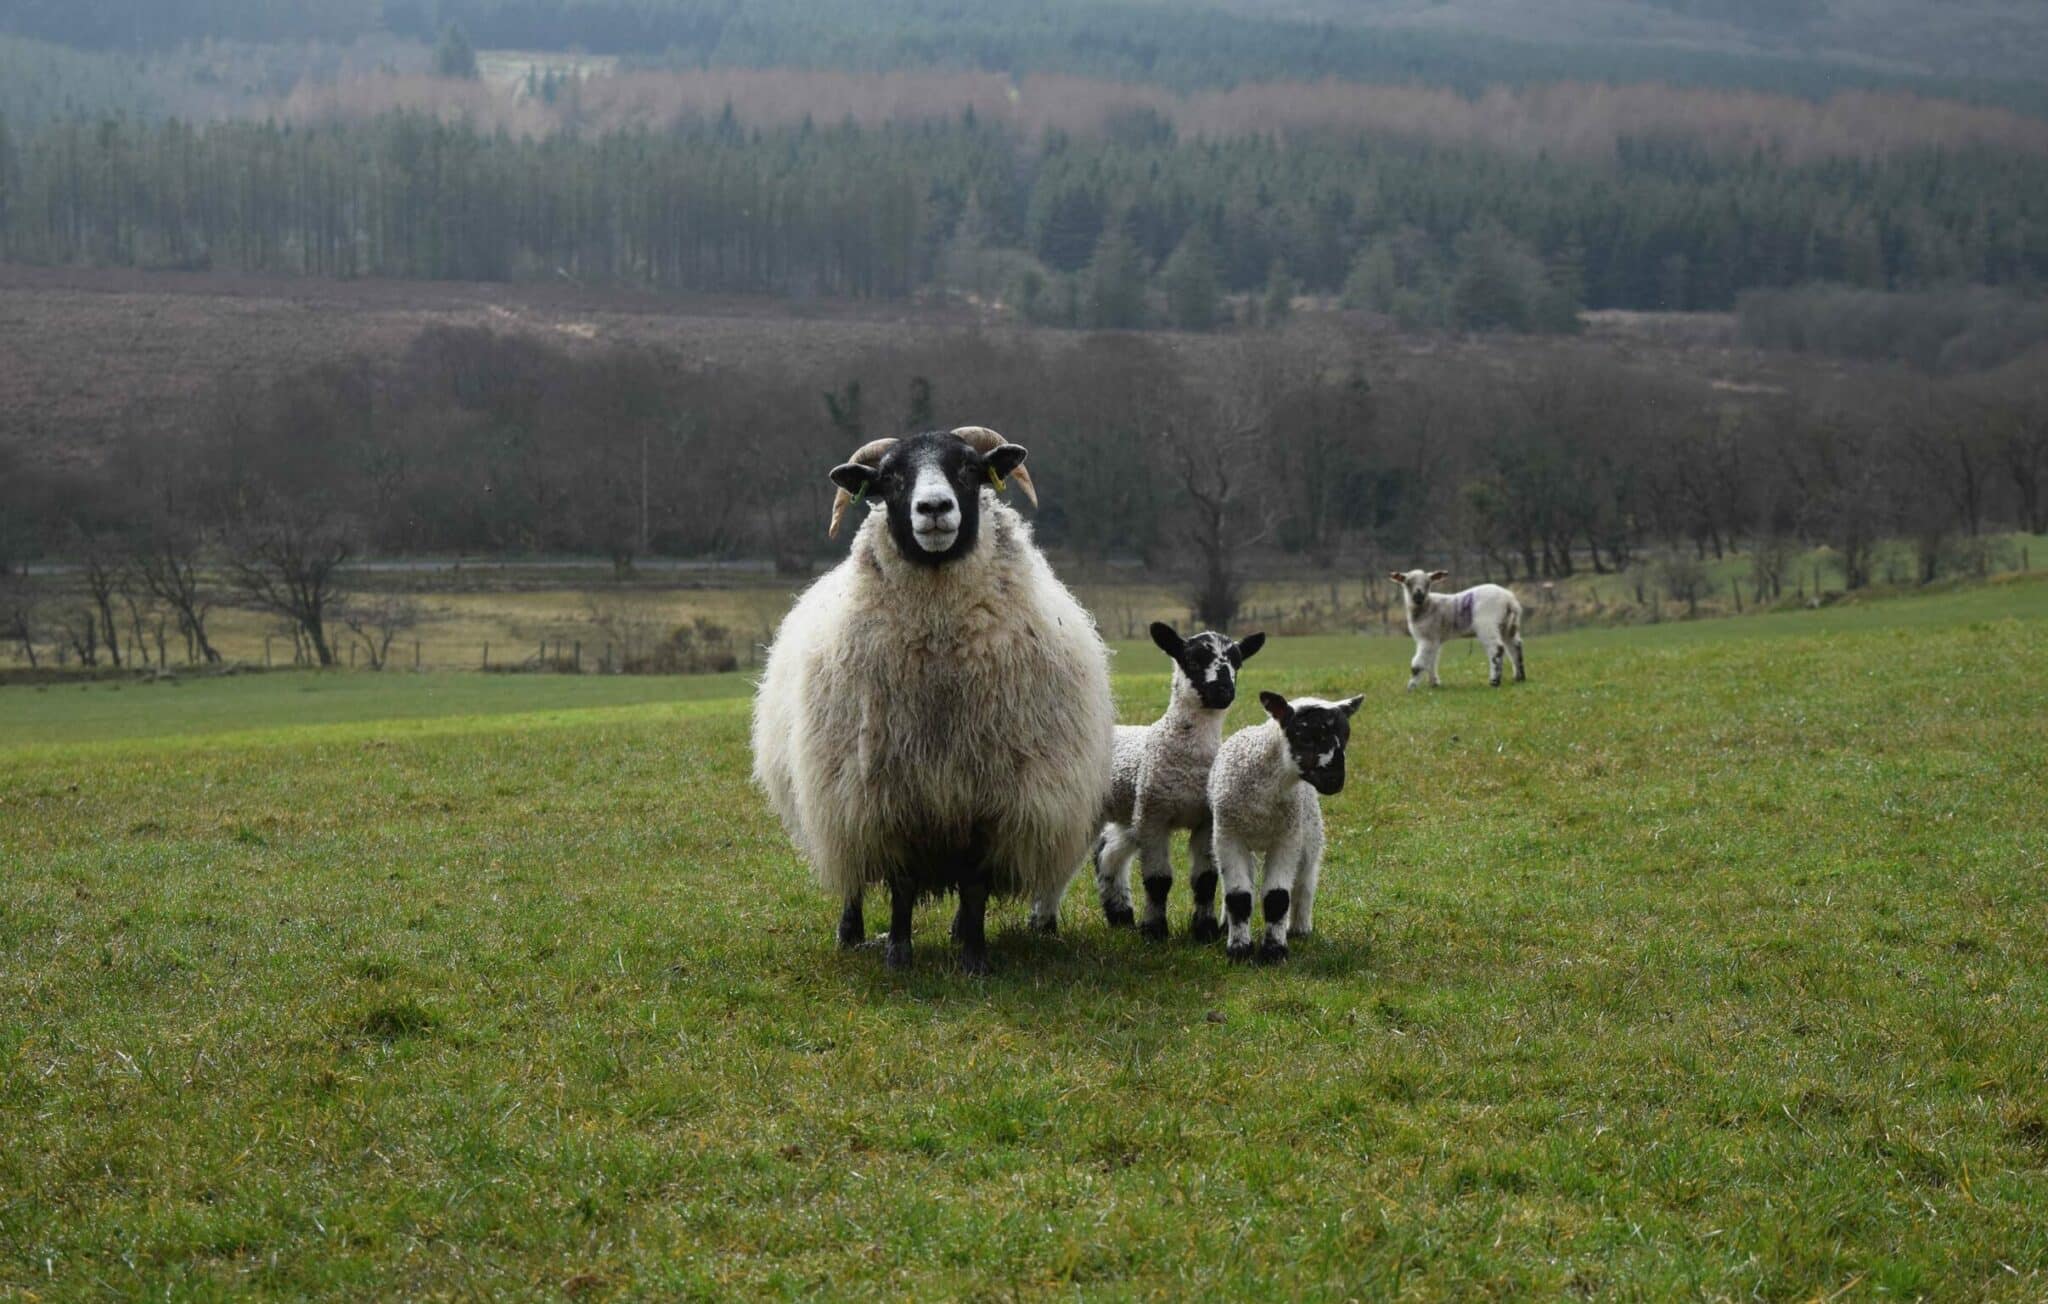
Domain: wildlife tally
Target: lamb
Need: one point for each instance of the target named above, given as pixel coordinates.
(1161, 785)
(935, 713)
(1262, 798)
(1487, 612)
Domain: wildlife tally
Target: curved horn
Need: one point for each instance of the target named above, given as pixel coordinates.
(867, 454)
(983, 440)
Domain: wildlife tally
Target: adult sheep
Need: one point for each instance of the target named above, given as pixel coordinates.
(935, 713)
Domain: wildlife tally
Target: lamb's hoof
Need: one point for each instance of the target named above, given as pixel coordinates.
(1153, 930)
(1272, 952)
(974, 963)
(1241, 952)
(1205, 930)
(1120, 916)
(896, 955)
(1296, 934)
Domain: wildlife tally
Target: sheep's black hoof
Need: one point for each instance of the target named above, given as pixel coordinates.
(853, 930)
(974, 963)
(1272, 952)
(1205, 930)
(1120, 916)
(896, 955)
(1153, 930)
(1241, 952)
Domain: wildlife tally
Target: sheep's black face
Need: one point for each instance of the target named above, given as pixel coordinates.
(1317, 733)
(931, 484)
(1210, 661)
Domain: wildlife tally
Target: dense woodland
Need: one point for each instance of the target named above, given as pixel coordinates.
(1300, 444)
(1062, 227)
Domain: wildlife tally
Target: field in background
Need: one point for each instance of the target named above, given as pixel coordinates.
(509, 616)
(1710, 962)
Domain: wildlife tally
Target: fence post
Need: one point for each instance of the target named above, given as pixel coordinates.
(415, 654)
(487, 654)
(266, 651)
(1735, 587)
(579, 656)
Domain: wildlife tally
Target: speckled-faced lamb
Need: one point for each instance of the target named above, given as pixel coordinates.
(1487, 612)
(1262, 794)
(935, 713)
(1161, 785)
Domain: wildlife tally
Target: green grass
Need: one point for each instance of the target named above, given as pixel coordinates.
(1713, 962)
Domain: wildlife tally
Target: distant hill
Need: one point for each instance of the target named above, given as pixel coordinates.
(1808, 47)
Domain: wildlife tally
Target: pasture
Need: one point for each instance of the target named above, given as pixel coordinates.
(1713, 962)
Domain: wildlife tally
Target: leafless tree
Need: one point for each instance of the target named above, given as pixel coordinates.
(1211, 447)
(377, 622)
(292, 562)
(19, 614)
(166, 562)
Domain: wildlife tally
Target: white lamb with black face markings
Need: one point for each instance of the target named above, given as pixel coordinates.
(1262, 798)
(935, 715)
(1487, 612)
(1161, 786)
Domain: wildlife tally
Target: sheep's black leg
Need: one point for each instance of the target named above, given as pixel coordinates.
(902, 900)
(1273, 948)
(970, 925)
(1205, 927)
(853, 925)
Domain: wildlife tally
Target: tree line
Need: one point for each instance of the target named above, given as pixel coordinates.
(1304, 451)
(1050, 225)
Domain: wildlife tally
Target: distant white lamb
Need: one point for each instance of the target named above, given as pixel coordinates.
(1262, 795)
(1487, 612)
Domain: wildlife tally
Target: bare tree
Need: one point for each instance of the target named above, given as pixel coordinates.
(377, 623)
(18, 614)
(167, 563)
(1211, 449)
(292, 563)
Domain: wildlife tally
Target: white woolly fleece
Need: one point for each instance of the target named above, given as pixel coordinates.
(900, 703)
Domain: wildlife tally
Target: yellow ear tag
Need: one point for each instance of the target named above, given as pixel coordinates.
(995, 479)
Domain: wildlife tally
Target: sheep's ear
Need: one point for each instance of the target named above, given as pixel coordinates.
(1397, 577)
(853, 476)
(1438, 575)
(1277, 707)
(1248, 647)
(1168, 641)
(1006, 458)
(1350, 706)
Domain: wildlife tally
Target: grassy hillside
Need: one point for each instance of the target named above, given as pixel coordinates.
(1709, 962)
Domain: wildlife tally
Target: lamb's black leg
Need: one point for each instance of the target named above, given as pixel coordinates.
(902, 900)
(853, 925)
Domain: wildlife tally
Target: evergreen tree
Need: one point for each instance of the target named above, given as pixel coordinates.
(1281, 287)
(1193, 294)
(1116, 282)
(454, 57)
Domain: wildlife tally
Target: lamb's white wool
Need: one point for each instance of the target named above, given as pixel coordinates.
(1487, 612)
(914, 712)
(1262, 797)
(1164, 768)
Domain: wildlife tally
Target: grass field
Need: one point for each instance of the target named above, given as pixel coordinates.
(1713, 962)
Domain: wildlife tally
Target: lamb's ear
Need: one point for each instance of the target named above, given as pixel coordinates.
(1397, 577)
(1248, 647)
(1277, 707)
(1350, 706)
(1006, 458)
(1434, 576)
(1168, 641)
(853, 476)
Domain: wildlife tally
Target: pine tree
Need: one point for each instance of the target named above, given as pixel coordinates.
(1278, 305)
(1190, 280)
(455, 57)
(1116, 283)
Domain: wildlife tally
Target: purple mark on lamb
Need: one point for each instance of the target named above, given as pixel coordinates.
(1462, 616)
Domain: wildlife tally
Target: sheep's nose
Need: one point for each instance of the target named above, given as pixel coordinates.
(934, 506)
